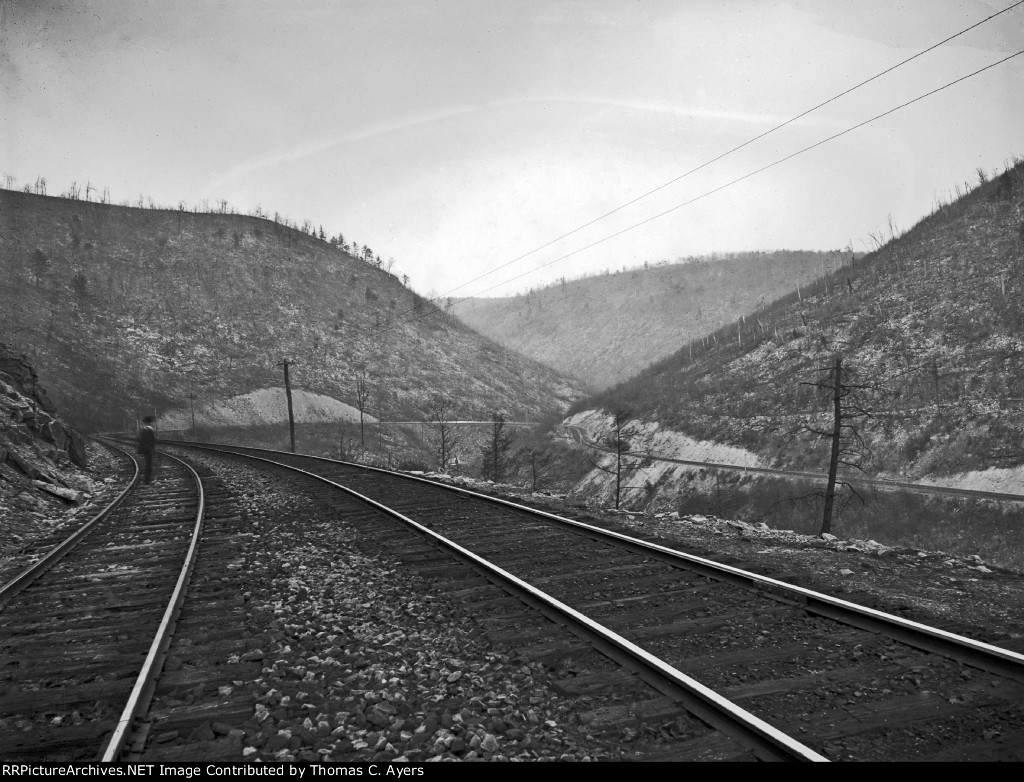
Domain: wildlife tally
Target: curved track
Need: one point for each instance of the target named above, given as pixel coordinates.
(85, 628)
(845, 681)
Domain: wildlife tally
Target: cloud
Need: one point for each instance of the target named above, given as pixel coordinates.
(693, 112)
(317, 146)
(320, 145)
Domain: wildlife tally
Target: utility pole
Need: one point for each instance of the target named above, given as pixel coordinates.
(288, 393)
(833, 464)
(192, 405)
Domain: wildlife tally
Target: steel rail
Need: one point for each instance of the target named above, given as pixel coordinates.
(145, 682)
(979, 654)
(766, 741)
(54, 555)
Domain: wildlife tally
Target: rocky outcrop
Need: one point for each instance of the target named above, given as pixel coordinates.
(44, 482)
(16, 370)
(32, 438)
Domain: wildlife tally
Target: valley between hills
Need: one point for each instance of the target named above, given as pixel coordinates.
(125, 311)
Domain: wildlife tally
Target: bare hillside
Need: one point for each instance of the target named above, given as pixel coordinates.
(126, 309)
(607, 328)
(929, 330)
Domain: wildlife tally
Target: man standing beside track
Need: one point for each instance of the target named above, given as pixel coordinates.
(147, 446)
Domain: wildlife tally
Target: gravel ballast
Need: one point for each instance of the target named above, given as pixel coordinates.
(350, 655)
(364, 662)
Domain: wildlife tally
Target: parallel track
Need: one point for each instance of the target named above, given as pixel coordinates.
(850, 682)
(86, 627)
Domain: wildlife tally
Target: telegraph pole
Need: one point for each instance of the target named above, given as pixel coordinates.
(837, 432)
(192, 405)
(288, 393)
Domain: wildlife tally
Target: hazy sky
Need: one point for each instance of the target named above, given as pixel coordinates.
(457, 136)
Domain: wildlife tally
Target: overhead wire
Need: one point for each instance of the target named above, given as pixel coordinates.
(735, 181)
(734, 149)
(715, 159)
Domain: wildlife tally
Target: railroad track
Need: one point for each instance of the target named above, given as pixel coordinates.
(86, 629)
(777, 670)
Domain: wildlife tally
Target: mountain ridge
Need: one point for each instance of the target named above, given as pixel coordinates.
(930, 332)
(606, 328)
(126, 309)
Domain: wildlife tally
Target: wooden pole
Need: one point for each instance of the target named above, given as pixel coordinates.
(288, 393)
(833, 464)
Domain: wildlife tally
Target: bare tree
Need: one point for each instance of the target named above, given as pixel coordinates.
(618, 443)
(362, 399)
(387, 399)
(441, 416)
(847, 448)
(541, 466)
(496, 450)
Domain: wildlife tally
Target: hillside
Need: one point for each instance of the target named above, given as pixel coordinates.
(125, 310)
(930, 331)
(608, 328)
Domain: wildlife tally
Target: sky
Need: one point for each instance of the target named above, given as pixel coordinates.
(458, 136)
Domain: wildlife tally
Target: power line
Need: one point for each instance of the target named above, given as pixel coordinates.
(753, 173)
(738, 179)
(729, 152)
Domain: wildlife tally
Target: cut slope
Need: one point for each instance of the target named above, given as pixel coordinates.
(262, 407)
